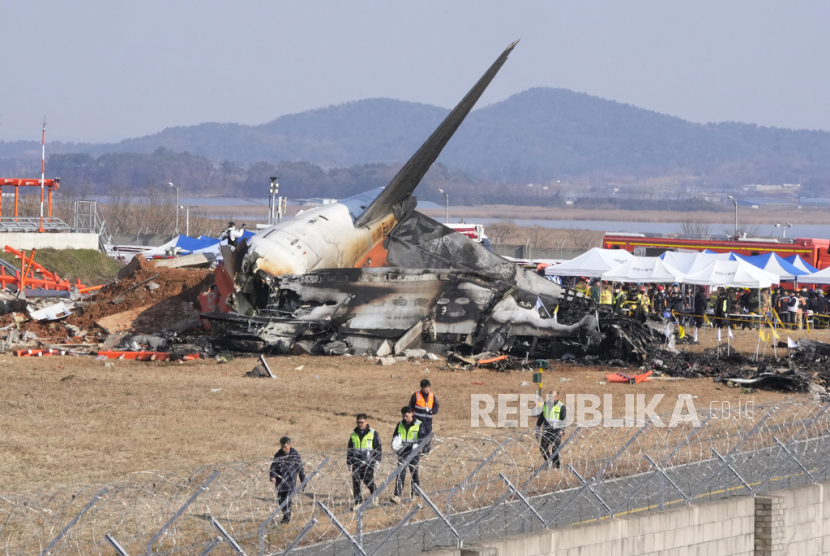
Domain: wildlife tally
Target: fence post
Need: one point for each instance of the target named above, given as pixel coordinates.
(412, 455)
(729, 466)
(231, 541)
(790, 443)
(522, 498)
(394, 529)
(342, 529)
(213, 544)
(308, 527)
(113, 543)
(667, 478)
(74, 521)
(441, 516)
(595, 495)
(732, 452)
(285, 503)
(546, 462)
(180, 512)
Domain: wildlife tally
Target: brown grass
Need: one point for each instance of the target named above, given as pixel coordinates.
(68, 420)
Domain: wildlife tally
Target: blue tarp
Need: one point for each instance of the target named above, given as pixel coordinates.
(191, 244)
(771, 262)
(792, 258)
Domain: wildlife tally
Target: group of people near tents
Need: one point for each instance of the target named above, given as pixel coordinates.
(703, 286)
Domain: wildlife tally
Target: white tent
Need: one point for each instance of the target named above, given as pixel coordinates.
(820, 277)
(733, 274)
(591, 264)
(688, 263)
(644, 270)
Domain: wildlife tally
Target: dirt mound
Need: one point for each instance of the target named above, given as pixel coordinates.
(149, 300)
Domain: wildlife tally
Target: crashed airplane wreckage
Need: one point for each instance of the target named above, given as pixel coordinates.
(367, 271)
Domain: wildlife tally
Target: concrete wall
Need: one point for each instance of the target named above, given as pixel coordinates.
(56, 240)
(786, 522)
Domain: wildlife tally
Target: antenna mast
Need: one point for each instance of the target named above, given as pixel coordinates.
(42, 171)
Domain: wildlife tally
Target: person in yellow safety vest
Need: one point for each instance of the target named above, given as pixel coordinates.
(642, 300)
(619, 298)
(408, 434)
(424, 405)
(581, 286)
(605, 296)
(363, 457)
(549, 426)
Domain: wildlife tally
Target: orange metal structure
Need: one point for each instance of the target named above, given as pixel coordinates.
(33, 275)
(51, 185)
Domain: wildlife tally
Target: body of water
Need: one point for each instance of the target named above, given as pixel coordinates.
(821, 231)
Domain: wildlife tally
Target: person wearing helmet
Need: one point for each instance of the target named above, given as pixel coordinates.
(659, 302)
(408, 434)
(619, 298)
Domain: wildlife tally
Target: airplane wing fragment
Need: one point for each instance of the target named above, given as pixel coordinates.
(405, 182)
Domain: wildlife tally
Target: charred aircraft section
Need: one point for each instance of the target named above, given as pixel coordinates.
(358, 310)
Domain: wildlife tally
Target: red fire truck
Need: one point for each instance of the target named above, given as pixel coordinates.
(814, 251)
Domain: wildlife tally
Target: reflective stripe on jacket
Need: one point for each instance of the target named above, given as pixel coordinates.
(421, 405)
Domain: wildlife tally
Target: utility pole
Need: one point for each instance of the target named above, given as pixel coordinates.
(170, 183)
(447, 206)
(736, 215)
(274, 202)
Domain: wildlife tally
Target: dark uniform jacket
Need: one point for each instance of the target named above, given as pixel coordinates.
(285, 469)
(543, 423)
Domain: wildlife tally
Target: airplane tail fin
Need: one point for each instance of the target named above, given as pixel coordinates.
(404, 183)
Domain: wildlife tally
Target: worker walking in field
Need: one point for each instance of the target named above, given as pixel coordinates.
(408, 434)
(285, 468)
(424, 406)
(363, 457)
(549, 427)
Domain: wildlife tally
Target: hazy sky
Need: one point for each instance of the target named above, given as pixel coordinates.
(104, 70)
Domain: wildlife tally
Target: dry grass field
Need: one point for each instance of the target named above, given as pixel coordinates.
(68, 420)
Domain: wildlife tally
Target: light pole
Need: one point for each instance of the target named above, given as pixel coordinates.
(170, 183)
(186, 218)
(447, 209)
(736, 214)
(783, 228)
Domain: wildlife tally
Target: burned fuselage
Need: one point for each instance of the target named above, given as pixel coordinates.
(361, 309)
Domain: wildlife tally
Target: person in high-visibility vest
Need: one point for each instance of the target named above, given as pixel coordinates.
(408, 434)
(424, 405)
(619, 298)
(605, 296)
(549, 426)
(363, 457)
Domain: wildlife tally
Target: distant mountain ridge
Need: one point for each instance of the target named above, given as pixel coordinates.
(536, 135)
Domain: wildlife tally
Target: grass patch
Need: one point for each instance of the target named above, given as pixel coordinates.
(90, 266)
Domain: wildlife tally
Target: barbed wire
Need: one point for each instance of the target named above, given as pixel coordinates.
(473, 488)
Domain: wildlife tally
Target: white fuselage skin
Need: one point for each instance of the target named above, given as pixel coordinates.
(323, 237)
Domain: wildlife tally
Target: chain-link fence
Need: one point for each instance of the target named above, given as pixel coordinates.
(474, 488)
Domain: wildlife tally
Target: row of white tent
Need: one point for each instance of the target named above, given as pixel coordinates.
(704, 269)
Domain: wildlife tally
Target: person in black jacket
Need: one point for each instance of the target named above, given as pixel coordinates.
(411, 432)
(286, 466)
(700, 306)
(363, 455)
